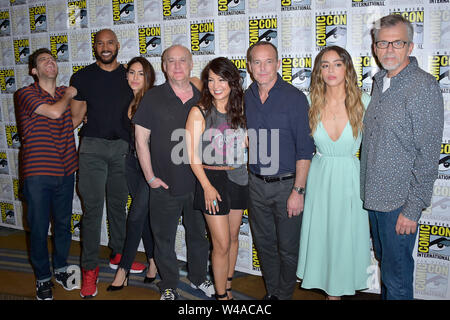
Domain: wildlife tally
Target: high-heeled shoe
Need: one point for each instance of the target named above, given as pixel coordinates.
(229, 289)
(124, 284)
(149, 279)
(221, 296)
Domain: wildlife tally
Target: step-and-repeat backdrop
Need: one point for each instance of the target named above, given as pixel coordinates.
(211, 28)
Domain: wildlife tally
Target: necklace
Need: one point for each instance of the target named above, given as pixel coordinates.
(334, 115)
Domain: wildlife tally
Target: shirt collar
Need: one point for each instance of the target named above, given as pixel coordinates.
(278, 84)
(169, 90)
(44, 93)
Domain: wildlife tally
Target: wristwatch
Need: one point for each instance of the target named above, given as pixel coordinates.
(299, 190)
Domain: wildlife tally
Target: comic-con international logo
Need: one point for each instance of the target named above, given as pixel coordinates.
(367, 3)
(439, 66)
(439, 25)
(59, 46)
(7, 210)
(75, 224)
(331, 30)
(7, 81)
(93, 33)
(5, 23)
(434, 241)
(150, 41)
(444, 162)
(77, 14)
(431, 279)
(174, 9)
(416, 17)
(4, 163)
(21, 50)
(202, 38)
(17, 2)
(38, 19)
(289, 5)
(230, 7)
(255, 260)
(241, 65)
(365, 67)
(264, 29)
(12, 136)
(16, 188)
(123, 11)
(297, 71)
(78, 67)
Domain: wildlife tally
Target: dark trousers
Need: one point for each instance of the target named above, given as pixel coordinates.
(138, 221)
(46, 196)
(102, 172)
(165, 212)
(276, 236)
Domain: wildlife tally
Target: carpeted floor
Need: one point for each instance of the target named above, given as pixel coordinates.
(17, 281)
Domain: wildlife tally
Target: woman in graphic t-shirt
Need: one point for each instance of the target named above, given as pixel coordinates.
(218, 157)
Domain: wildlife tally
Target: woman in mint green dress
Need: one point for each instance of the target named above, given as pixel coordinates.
(335, 238)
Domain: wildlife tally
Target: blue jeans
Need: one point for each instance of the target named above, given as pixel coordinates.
(394, 252)
(46, 196)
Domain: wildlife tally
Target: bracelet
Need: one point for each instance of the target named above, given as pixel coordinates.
(151, 180)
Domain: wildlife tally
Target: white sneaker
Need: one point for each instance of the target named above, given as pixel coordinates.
(168, 294)
(207, 287)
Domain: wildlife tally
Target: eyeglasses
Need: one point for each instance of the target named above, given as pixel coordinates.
(397, 44)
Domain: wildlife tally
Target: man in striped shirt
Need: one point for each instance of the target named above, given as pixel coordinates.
(48, 164)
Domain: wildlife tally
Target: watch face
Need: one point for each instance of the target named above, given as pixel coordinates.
(299, 190)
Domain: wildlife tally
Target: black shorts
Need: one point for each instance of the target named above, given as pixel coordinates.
(234, 196)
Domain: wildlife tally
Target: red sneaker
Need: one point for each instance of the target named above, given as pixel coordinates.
(89, 283)
(136, 267)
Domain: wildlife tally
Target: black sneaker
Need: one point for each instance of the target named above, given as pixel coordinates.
(169, 294)
(63, 279)
(44, 290)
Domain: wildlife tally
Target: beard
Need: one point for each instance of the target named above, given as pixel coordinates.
(392, 65)
(111, 59)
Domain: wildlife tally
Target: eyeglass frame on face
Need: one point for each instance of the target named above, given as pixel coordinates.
(392, 43)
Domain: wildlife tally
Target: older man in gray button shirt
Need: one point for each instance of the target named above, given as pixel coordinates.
(400, 152)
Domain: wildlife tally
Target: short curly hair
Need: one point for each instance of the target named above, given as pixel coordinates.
(33, 58)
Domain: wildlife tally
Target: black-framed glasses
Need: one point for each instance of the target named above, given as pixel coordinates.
(397, 44)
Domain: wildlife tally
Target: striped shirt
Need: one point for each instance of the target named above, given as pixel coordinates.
(48, 145)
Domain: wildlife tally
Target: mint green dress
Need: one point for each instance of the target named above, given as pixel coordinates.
(334, 251)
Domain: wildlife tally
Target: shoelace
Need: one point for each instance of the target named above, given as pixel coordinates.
(89, 278)
(207, 283)
(168, 294)
(63, 276)
(45, 285)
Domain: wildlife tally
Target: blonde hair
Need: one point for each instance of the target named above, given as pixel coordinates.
(353, 102)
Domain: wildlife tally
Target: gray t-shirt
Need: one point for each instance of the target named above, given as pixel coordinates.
(223, 146)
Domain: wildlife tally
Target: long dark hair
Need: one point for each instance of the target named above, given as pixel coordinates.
(149, 80)
(225, 69)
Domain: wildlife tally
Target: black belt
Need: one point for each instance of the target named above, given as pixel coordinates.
(111, 138)
(269, 179)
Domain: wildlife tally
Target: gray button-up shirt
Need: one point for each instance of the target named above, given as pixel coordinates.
(401, 142)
